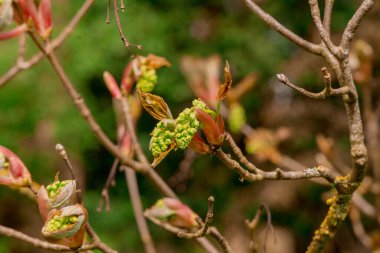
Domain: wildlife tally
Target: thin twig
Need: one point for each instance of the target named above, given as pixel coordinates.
(62, 152)
(108, 11)
(252, 225)
(105, 198)
(18, 67)
(130, 177)
(316, 15)
(353, 24)
(205, 226)
(184, 171)
(12, 233)
(117, 17)
(21, 49)
(243, 159)
(327, 92)
(329, 4)
(278, 174)
(273, 23)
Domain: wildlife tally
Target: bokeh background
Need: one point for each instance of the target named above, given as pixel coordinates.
(36, 113)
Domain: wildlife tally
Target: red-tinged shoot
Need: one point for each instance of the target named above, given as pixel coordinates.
(112, 85)
(13, 172)
(45, 19)
(199, 145)
(173, 212)
(38, 16)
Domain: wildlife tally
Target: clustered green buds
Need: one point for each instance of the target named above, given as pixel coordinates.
(66, 226)
(56, 195)
(55, 188)
(57, 222)
(237, 117)
(147, 79)
(162, 137)
(186, 126)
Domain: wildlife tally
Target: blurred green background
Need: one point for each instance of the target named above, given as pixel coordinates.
(36, 113)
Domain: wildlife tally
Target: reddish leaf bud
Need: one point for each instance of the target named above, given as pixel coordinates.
(13, 172)
(112, 85)
(174, 212)
(197, 144)
(210, 128)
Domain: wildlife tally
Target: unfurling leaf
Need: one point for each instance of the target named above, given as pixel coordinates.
(56, 195)
(199, 145)
(155, 106)
(173, 212)
(162, 155)
(156, 62)
(66, 226)
(13, 172)
(210, 128)
(226, 86)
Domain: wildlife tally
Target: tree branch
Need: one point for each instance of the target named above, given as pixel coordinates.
(327, 92)
(131, 180)
(23, 65)
(329, 4)
(273, 23)
(315, 14)
(353, 24)
(278, 174)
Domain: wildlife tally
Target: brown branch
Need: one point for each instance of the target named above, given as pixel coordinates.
(130, 177)
(35, 242)
(131, 130)
(96, 240)
(184, 171)
(62, 152)
(353, 24)
(329, 4)
(278, 174)
(327, 92)
(252, 225)
(105, 198)
(273, 23)
(315, 13)
(23, 65)
(117, 17)
(237, 151)
(220, 239)
(204, 226)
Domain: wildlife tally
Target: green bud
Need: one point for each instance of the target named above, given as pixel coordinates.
(186, 126)
(162, 137)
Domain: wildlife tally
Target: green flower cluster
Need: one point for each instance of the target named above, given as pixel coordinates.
(57, 222)
(199, 104)
(148, 79)
(55, 188)
(186, 126)
(162, 137)
(237, 117)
